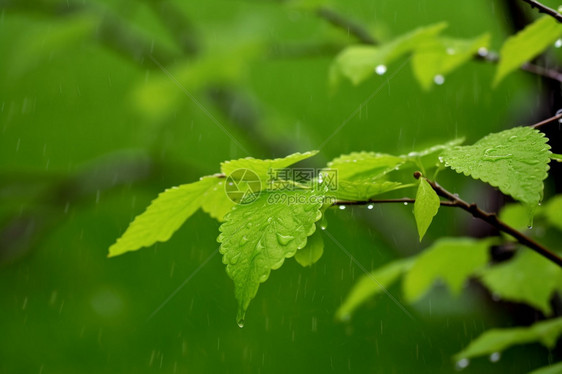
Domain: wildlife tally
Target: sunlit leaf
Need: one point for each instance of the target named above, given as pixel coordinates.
(263, 167)
(215, 200)
(162, 217)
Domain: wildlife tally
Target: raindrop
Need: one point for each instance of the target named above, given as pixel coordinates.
(380, 69)
(462, 363)
(495, 357)
(240, 322)
(284, 239)
(439, 79)
(370, 206)
(342, 207)
(482, 52)
(405, 203)
(558, 43)
(530, 227)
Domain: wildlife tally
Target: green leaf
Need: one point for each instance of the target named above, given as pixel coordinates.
(551, 369)
(262, 167)
(163, 216)
(314, 249)
(431, 151)
(372, 284)
(528, 278)
(364, 165)
(440, 56)
(216, 202)
(363, 190)
(357, 63)
(452, 260)
(257, 237)
(553, 211)
(497, 340)
(514, 160)
(426, 206)
(526, 45)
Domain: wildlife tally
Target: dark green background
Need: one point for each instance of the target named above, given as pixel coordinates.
(89, 134)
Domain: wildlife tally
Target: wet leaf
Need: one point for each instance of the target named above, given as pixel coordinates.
(314, 249)
(514, 160)
(257, 237)
(426, 206)
(163, 216)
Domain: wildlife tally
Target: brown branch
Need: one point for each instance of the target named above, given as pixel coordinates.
(351, 27)
(545, 10)
(557, 117)
(404, 200)
(492, 219)
(528, 67)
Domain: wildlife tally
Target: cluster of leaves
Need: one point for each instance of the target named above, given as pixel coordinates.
(433, 55)
(261, 230)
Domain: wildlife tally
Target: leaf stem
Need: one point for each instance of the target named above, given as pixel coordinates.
(404, 200)
(544, 9)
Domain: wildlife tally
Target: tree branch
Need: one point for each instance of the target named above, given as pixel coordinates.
(557, 117)
(492, 219)
(351, 27)
(404, 200)
(544, 9)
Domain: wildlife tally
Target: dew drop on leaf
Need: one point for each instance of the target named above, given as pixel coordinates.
(380, 69)
(370, 206)
(495, 357)
(462, 363)
(240, 323)
(439, 79)
(284, 239)
(342, 207)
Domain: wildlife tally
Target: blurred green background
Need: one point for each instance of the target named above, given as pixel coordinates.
(103, 104)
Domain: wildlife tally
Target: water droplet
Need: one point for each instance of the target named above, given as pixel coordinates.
(323, 227)
(441, 159)
(530, 227)
(370, 206)
(405, 203)
(244, 240)
(495, 357)
(240, 322)
(284, 239)
(462, 363)
(323, 223)
(491, 154)
(482, 51)
(342, 207)
(558, 43)
(380, 69)
(439, 79)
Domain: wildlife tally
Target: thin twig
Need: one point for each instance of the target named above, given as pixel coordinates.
(540, 71)
(544, 9)
(557, 117)
(351, 27)
(492, 219)
(384, 201)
